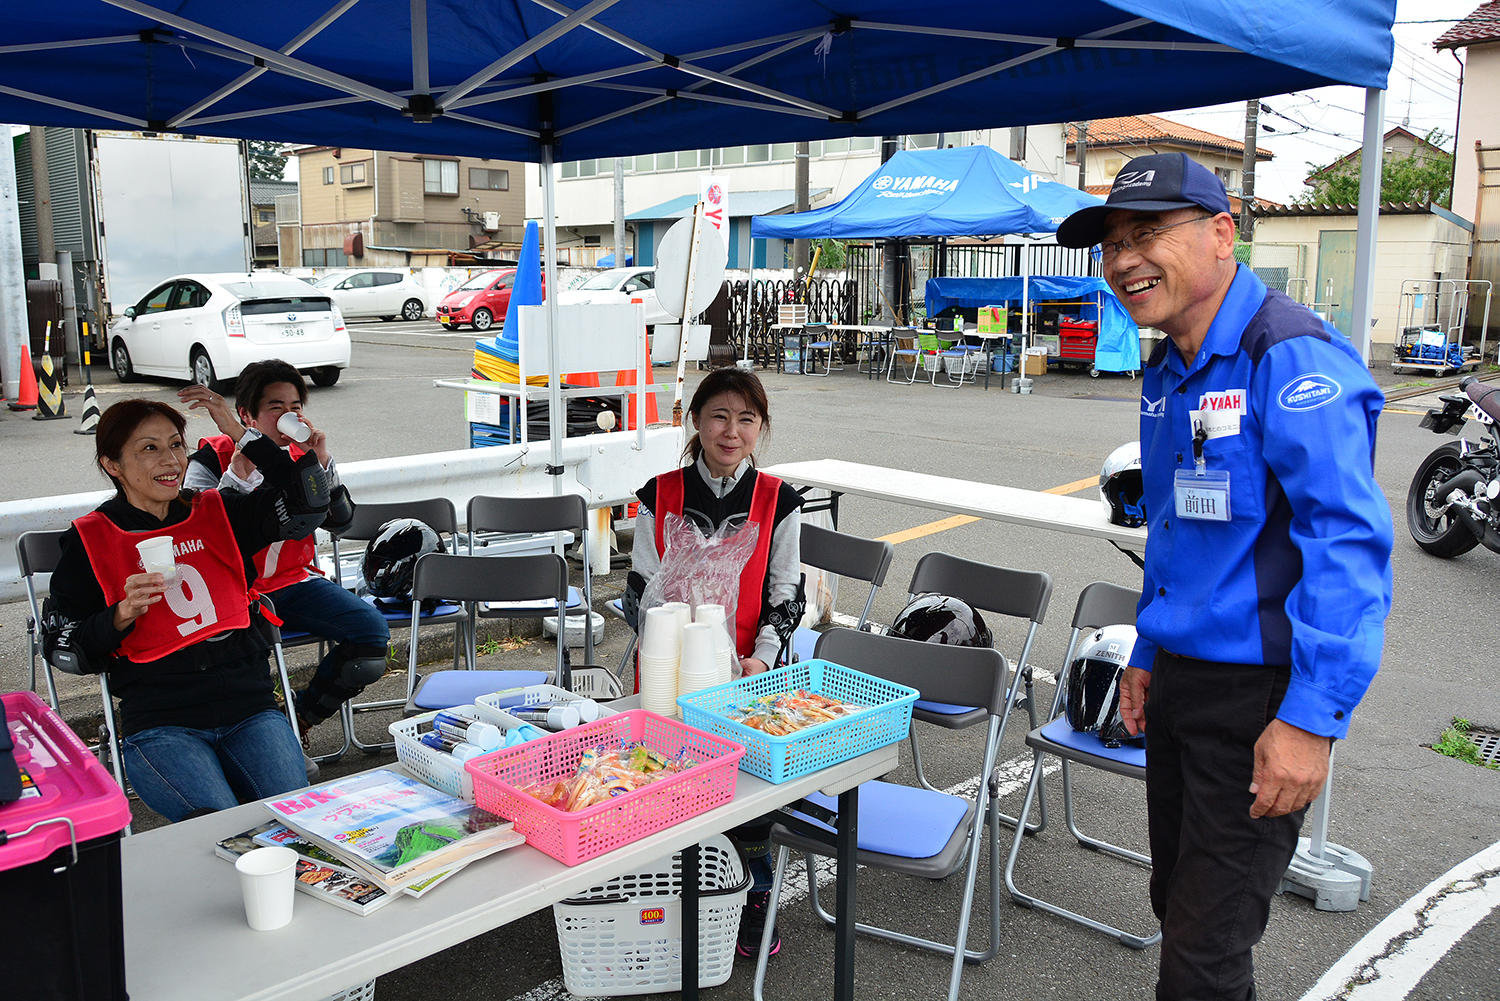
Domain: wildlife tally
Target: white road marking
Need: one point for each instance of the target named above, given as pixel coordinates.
(1404, 947)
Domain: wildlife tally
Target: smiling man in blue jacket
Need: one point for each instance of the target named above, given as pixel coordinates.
(1267, 576)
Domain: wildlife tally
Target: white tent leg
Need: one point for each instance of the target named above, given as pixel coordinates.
(556, 417)
(1369, 207)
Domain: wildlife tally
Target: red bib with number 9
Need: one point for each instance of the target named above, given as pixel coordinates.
(208, 596)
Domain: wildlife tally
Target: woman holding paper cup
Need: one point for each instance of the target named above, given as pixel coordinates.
(154, 587)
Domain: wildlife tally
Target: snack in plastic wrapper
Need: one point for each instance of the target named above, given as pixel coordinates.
(783, 713)
(604, 773)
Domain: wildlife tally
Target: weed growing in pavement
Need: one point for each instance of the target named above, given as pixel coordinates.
(1456, 743)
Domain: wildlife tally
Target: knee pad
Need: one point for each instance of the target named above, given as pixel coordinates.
(362, 671)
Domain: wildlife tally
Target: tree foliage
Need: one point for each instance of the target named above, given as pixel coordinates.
(265, 161)
(833, 256)
(1423, 175)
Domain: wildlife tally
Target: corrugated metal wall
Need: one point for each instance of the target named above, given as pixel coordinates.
(68, 178)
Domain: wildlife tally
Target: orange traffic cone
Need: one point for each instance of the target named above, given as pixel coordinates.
(626, 377)
(26, 397)
(581, 378)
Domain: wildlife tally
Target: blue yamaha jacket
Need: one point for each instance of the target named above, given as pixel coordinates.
(1301, 573)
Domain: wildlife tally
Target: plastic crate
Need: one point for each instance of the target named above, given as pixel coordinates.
(577, 836)
(625, 935)
(886, 720)
(438, 769)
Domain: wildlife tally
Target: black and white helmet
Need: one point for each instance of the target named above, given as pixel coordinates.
(1093, 692)
(1121, 488)
(390, 562)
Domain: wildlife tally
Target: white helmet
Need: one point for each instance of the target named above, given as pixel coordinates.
(1121, 488)
(1093, 684)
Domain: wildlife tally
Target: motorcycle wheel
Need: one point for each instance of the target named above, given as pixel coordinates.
(1442, 535)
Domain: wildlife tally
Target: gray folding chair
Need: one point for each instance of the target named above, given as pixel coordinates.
(1099, 604)
(470, 579)
(439, 515)
(909, 829)
(532, 515)
(847, 556)
(1021, 594)
(822, 337)
(38, 553)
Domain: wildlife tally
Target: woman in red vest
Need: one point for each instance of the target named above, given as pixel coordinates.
(721, 485)
(186, 656)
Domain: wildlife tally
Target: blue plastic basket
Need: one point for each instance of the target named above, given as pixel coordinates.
(778, 759)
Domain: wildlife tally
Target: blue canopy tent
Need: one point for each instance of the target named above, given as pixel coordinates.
(539, 80)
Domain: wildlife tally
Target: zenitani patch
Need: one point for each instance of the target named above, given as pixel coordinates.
(1308, 392)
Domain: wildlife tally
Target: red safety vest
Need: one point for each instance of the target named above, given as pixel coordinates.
(753, 577)
(209, 595)
(281, 564)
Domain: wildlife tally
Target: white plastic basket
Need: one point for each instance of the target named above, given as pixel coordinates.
(625, 936)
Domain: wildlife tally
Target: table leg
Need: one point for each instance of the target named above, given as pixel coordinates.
(690, 923)
(846, 841)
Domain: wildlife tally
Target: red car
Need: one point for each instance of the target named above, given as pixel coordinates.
(480, 302)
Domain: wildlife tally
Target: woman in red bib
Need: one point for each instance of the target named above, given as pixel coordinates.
(186, 653)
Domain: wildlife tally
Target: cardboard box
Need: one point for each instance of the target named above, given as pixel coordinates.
(992, 320)
(1034, 362)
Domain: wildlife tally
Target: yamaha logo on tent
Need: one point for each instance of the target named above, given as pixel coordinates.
(913, 187)
(1308, 392)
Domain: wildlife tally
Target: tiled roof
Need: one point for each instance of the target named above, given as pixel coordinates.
(1386, 208)
(1481, 26)
(1261, 204)
(1140, 130)
(264, 192)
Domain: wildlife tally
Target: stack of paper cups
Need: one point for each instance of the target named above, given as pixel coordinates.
(723, 644)
(699, 667)
(661, 648)
(682, 610)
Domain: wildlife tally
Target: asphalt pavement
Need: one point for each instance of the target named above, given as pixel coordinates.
(1413, 813)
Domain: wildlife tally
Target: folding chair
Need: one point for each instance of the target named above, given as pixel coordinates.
(909, 829)
(847, 556)
(904, 349)
(1021, 594)
(37, 553)
(534, 515)
(824, 339)
(439, 514)
(470, 579)
(1099, 604)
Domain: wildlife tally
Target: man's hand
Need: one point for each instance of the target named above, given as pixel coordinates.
(1133, 687)
(317, 443)
(203, 398)
(749, 666)
(1291, 766)
(142, 590)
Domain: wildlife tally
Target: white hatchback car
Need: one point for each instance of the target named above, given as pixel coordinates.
(376, 292)
(207, 328)
(621, 285)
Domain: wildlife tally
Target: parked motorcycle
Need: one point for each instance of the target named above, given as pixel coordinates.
(1454, 501)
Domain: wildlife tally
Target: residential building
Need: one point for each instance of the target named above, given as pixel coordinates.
(760, 180)
(365, 207)
(263, 195)
(1397, 144)
(1110, 143)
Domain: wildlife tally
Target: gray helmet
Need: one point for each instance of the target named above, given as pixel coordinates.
(1121, 488)
(1093, 684)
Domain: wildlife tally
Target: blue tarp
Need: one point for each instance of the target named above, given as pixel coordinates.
(645, 76)
(967, 191)
(1119, 345)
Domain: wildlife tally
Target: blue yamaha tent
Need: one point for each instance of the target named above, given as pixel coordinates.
(967, 191)
(540, 80)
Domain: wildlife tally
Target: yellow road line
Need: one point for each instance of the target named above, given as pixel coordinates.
(959, 520)
(1398, 410)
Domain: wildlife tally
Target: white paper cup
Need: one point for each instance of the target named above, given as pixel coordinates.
(709, 613)
(267, 883)
(659, 633)
(697, 649)
(156, 556)
(682, 610)
(291, 425)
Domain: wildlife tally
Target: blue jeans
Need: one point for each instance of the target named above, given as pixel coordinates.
(357, 631)
(177, 769)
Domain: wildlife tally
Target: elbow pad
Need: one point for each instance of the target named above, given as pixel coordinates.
(785, 616)
(57, 643)
(630, 601)
(340, 510)
(303, 507)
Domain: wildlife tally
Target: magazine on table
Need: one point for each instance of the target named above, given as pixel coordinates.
(318, 873)
(393, 828)
(274, 834)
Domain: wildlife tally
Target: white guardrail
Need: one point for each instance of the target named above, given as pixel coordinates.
(606, 469)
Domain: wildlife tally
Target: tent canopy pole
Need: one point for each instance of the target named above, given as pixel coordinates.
(1369, 210)
(555, 415)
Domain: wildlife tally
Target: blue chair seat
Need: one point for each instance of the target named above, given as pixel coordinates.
(443, 689)
(943, 708)
(886, 813)
(1059, 738)
(527, 609)
(401, 611)
(804, 642)
(616, 608)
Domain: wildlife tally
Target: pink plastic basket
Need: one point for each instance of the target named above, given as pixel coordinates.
(578, 836)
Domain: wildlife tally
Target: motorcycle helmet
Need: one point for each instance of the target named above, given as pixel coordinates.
(390, 562)
(939, 618)
(1121, 488)
(1093, 684)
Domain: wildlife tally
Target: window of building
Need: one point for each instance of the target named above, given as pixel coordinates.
(783, 151)
(861, 143)
(440, 177)
(591, 241)
(732, 155)
(488, 179)
(333, 257)
(835, 146)
(645, 163)
(588, 168)
(327, 175)
(605, 165)
(1226, 175)
(757, 154)
(352, 173)
(265, 215)
(926, 140)
(570, 169)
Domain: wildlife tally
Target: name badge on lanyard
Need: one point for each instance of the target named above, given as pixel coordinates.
(1202, 494)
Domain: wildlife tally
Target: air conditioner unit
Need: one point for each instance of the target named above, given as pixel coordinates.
(491, 221)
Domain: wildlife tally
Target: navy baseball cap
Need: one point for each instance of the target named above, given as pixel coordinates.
(1156, 183)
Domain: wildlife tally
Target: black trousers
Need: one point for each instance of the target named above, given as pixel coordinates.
(1214, 868)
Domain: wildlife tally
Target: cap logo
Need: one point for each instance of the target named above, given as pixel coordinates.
(1134, 179)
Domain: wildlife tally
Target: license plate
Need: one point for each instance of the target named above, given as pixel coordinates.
(445, 321)
(292, 332)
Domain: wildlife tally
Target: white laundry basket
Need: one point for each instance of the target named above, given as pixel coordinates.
(625, 936)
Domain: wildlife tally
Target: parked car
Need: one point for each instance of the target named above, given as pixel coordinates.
(479, 302)
(621, 285)
(206, 328)
(376, 292)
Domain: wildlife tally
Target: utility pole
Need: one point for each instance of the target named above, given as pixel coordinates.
(619, 212)
(800, 203)
(892, 273)
(1247, 170)
(41, 186)
(1082, 149)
